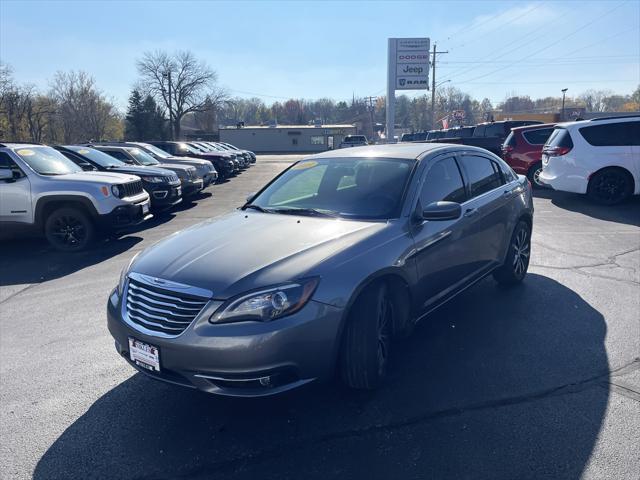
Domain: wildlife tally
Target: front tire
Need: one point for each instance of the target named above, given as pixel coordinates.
(610, 186)
(367, 339)
(69, 229)
(516, 264)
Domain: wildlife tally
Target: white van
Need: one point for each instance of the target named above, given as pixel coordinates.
(599, 157)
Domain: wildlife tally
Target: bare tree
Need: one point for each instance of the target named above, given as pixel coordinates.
(180, 83)
(84, 112)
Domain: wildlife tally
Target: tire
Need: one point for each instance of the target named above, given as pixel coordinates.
(367, 338)
(610, 186)
(515, 265)
(69, 229)
(534, 175)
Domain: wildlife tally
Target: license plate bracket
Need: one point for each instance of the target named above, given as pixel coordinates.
(144, 355)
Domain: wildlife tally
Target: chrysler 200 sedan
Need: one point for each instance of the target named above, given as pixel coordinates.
(319, 270)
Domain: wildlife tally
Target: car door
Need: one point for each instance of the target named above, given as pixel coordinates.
(438, 245)
(487, 209)
(15, 194)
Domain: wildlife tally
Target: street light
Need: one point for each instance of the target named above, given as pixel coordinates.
(442, 83)
(564, 92)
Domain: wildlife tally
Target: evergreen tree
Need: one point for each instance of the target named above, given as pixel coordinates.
(145, 119)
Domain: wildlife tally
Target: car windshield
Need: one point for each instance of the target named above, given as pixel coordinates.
(156, 151)
(193, 148)
(361, 188)
(47, 161)
(102, 159)
(142, 158)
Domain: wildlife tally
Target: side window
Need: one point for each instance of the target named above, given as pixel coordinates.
(7, 163)
(508, 174)
(612, 134)
(484, 175)
(443, 183)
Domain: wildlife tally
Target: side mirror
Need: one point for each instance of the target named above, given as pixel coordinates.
(442, 211)
(250, 197)
(6, 175)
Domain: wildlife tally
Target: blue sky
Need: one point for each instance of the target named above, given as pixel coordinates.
(278, 50)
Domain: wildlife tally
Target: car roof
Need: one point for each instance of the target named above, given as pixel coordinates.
(407, 151)
(598, 121)
(534, 127)
(20, 145)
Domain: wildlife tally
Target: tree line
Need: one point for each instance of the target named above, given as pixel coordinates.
(177, 91)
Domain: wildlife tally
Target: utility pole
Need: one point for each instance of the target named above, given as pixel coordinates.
(371, 108)
(564, 92)
(433, 86)
(167, 75)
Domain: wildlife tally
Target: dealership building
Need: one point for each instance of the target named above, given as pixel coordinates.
(287, 138)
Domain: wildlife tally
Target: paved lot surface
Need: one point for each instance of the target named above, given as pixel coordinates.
(540, 381)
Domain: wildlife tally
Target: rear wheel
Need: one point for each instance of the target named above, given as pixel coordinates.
(515, 266)
(534, 175)
(367, 339)
(610, 186)
(69, 229)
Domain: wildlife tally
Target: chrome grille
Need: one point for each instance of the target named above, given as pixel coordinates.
(161, 310)
(132, 189)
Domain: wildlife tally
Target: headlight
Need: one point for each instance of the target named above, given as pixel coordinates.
(115, 190)
(154, 179)
(267, 304)
(124, 273)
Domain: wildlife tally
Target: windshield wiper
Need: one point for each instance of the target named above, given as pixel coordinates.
(305, 211)
(256, 207)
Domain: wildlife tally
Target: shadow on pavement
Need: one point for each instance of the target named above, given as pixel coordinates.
(500, 383)
(627, 212)
(33, 260)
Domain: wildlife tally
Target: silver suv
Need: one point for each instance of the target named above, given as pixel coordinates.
(41, 188)
(347, 249)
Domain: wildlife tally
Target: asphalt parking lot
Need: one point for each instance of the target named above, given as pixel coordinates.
(538, 381)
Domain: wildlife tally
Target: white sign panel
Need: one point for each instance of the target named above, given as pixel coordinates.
(411, 63)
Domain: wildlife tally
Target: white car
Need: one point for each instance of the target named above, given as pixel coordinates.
(599, 157)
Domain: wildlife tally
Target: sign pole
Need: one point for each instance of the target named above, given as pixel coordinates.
(391, 89)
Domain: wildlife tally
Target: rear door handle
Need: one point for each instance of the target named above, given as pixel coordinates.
(470, 212)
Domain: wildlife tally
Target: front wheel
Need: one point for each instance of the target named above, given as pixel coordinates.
(367, 339)
(69, 229)
(516, 264)
(610, 186)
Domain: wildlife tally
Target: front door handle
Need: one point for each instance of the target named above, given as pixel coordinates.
(470, 212)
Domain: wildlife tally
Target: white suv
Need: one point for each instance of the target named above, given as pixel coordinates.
(41, 188)
(599, 157)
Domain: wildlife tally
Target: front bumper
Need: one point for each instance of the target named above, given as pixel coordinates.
(247, 359)
(125, 216)
(192, 187)
(164, 196)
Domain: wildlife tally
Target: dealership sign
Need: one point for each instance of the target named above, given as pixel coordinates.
(410, 63)
(407, 69)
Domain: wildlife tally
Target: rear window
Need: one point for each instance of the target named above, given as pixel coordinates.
(510, 141)
(494, 130)
(612, 134)
(479, 131)
(559, 138)
(538, 136)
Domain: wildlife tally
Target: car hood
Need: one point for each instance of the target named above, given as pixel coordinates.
(245, 250)
(216, 154)
(96, 177)
(185, 161)
(142, 171)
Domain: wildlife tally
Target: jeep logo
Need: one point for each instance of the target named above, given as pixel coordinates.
(402, 81)
(409, 69)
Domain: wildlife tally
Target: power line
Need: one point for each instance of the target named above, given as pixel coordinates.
(582, 27)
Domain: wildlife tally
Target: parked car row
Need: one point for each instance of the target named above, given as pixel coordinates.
(598, 157)
(74, 193)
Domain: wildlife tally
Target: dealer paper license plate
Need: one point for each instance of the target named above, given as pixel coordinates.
(144, 355)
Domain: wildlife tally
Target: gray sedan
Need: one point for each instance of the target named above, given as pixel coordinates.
(322, 268)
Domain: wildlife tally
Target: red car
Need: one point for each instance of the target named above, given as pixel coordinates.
(522, 150)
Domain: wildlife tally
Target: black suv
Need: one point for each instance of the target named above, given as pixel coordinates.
(162, 185)
(222, 161)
